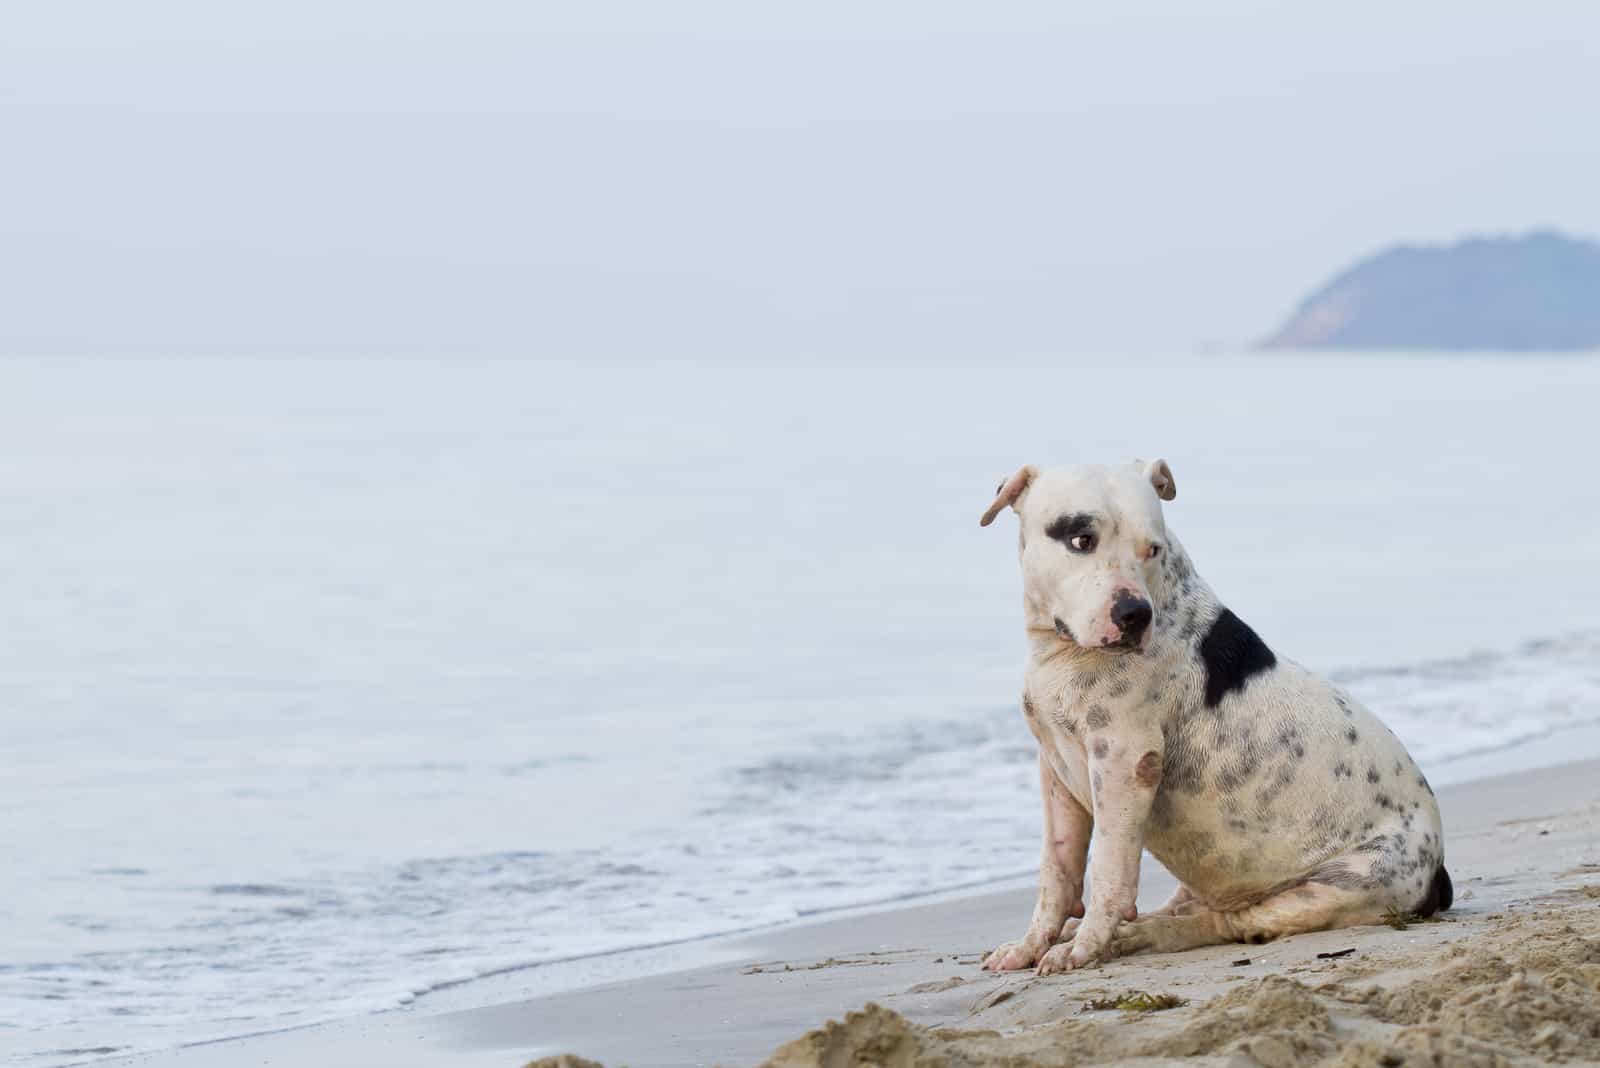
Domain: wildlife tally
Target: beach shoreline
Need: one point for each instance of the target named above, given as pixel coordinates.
(355, 789)
(1511, 842)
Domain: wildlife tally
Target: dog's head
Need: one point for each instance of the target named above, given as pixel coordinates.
(1091, 545)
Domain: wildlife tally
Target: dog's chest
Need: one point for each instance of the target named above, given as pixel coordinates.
(1056, 716)
(1068, 706)
(1067, 709)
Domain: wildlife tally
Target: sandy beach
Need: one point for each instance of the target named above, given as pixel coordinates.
(1508, 976)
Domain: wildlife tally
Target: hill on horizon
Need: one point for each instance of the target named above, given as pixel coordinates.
(1538, 291)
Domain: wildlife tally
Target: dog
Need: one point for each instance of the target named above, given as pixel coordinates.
(1165, 723)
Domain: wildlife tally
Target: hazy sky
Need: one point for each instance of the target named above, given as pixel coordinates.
(745, 177)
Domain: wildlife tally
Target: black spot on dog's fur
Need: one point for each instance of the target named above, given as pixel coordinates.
(1269, 793)
(1185, 762)
(1067, 527)
(1373, 776)
(1181, 567)
(1228, 780)
(1440, 896)
(1342, 770)
(1393, 863)
(1098, 718)
(1321, 830)
(1101, 748)
(1350, 735)
(1191, 625)
(1232, 653)
(1288, 740)
(1148, 771)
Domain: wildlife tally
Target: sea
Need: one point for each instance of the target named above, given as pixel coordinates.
(329, 685)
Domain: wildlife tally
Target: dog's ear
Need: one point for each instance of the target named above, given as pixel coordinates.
(1160, 476)
(1008, 492)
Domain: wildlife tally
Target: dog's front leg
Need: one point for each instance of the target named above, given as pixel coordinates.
(1124, 773)
(1061, 862)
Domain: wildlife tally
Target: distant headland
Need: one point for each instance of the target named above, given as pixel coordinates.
(1537, 291)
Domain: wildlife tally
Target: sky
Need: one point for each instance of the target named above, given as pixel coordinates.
(826, 179)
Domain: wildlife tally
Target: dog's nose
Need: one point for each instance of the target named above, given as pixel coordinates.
(1132, 615)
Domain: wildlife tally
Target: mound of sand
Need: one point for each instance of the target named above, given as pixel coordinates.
(1542, 1000)
(1275, 1020)
(1524, 991)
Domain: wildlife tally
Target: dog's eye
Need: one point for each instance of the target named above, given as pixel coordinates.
(1082, 543)
(1154, 551)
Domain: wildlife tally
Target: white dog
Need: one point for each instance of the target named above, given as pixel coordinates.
(1164, 723)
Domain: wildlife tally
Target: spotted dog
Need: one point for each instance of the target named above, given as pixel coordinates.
(1164, 723)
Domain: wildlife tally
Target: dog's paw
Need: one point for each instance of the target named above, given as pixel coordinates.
(1059, 959)
(1153, 934)
(1091, 943)
(1131, 940)
(1011, 957)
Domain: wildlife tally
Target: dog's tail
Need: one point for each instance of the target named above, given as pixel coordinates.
(1440, 894)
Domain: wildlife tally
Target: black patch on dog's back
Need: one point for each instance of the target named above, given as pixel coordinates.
(1232, 652)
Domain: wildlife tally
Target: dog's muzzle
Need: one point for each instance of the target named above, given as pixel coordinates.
(1131, 615)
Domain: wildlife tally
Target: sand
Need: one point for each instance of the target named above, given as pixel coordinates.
(1517, 989)
(1510, 976)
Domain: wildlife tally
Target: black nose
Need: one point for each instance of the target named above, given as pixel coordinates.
(1132, 615)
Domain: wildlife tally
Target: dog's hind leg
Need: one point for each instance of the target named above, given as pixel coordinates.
(1181, 903)
(1310, 906)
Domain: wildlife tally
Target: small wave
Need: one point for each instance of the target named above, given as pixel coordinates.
(253, 890)
(1451, 710)
(83, 1051)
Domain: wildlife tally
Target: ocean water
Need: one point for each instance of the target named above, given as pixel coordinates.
(328, 684)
